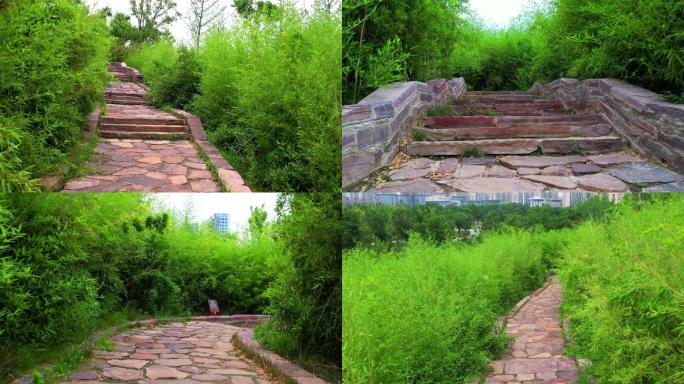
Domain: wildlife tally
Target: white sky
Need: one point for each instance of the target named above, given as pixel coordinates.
(179, 29)
(498, 13)
(206, 204)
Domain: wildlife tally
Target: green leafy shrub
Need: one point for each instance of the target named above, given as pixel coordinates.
(172, 73)
(14, 176)
(427, 314)
(305, 301)
(270, 96)
(53, 69)
(396, 40)
(624, 293)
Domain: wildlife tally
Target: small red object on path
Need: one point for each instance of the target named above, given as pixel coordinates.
(213, 308)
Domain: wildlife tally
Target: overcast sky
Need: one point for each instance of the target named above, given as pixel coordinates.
(206, 204)
(498, 13)
(179, 29)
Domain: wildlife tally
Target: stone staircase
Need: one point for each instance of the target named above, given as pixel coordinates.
(128, 114)
(511, 123)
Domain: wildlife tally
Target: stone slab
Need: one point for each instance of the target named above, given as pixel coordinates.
(644, 173)
(492, 184)
(540, 161)
(409, 186)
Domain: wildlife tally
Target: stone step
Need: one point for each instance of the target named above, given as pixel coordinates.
(124, 94)
(541, 131)
(143, 135)
(126, 101)
(129, 97)
(142, 120)
(519, 109)
(510, 121)
(589, 145)
(120, 75)
(502, 98)
(142, 128)
(601, 144)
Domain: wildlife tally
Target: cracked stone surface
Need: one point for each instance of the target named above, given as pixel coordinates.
(132, 165)
(612, 172)
(536, 353)
(184, 353)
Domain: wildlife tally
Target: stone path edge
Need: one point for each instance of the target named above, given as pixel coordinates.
(227, 176)
(285, 370)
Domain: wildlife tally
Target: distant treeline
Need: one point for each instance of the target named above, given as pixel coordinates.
(381, 225)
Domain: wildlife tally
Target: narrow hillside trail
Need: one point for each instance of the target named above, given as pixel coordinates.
(518, 142)
(536, 354)
(142, 149)
(192, 352)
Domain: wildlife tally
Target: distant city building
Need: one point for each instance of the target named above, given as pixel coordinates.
(221, 221)
(545, 201)
(531, 199)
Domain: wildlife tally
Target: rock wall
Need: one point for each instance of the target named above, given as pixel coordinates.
(652, 126)
(372, 129)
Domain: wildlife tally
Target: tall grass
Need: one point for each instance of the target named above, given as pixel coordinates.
(624, 293)
(53, 69)
(427, 314)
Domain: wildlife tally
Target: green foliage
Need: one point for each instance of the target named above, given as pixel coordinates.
(640, 41)
(624, 293)
(427, 314)
(269, 96)
(67, 261)
(492, 60)
(53, 60)
(419, 135)
(14, 177)
(152, 17)
(383, 225)
(472, 152)
(172, 74)
(305, 301)
(441, 110)
(394, 40)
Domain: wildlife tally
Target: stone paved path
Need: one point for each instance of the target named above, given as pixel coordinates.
(183, 353)
(131, 165)
(142, 149)
(536, 354)
(610, 172)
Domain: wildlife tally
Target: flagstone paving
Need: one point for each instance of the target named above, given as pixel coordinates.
(536, 354)
(131, 165)
(610, 172)
(184, 353)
